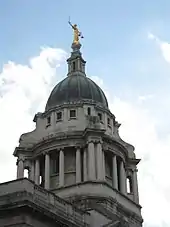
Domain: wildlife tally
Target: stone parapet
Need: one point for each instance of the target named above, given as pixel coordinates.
(18, 191)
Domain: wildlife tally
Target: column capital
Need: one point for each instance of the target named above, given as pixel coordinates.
(90, 141)
(99, 142)
(135, 170)
(46, 152)
(19, 159)
(60, 149)
(95, 141)
(78, 147)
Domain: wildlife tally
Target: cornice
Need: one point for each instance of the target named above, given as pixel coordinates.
(57, 137)
(94, 132)
(22, 150)
(110, 143)
(106, 111)
(79, 103)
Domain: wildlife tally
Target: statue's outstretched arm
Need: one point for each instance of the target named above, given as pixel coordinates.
(71, 24)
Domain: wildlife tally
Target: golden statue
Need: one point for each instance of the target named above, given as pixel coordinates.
(77, 33)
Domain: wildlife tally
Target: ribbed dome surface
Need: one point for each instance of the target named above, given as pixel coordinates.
(76, 88)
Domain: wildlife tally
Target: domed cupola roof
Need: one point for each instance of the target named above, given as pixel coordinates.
(76, 87)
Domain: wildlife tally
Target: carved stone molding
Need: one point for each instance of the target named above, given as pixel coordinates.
(78, 147)
(95, 141)
(60, 149)
(20, 159)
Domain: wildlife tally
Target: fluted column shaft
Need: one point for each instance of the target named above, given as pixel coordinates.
(100, 167)
(114, 172)
(104, 168)
(85, 164)
(91, 161)
(61, 168)
(32, 173)
(47, 171)
(78, 165)
(37, 171)
(20, 169)
(135, 186)
(122, 178)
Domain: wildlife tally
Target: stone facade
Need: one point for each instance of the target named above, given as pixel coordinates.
(80, 172)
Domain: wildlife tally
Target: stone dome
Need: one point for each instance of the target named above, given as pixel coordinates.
(76, 87)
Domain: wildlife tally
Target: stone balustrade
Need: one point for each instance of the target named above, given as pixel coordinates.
(44, 198)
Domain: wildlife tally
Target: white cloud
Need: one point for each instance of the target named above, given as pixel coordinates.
(139, 128)
(145, 97)
(164, 47)
(23, 90)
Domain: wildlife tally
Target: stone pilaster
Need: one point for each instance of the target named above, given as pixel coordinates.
(114, 172)
(61, 168)
(78, 165)
(99, 162)
(47, 171)
(122, 178)
(91, 161)
(37, 171)
(20, 168)
(135, 186)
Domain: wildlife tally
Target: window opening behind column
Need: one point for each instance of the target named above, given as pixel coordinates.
(89, 111)
(74, 66)
(129, 184)
(26, 173)
(55, 164)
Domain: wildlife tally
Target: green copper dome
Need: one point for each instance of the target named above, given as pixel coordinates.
(76, 88)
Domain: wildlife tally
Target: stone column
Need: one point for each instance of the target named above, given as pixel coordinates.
(61, 168)
(114, 172)
(122, 178)
(47, 171)
(32, 171)
(85, 164)
(78, 165)
(20, 168)
(135, 186)
(37, 171)
(91, 161)
(104, 169)
(100, 167)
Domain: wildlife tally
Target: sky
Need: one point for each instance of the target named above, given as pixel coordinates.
(127, 48)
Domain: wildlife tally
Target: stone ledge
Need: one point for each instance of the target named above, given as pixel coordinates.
(100, 190)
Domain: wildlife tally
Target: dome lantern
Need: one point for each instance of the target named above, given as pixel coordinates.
(76, 64)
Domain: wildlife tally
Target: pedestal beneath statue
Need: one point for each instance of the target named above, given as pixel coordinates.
(76, 46)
